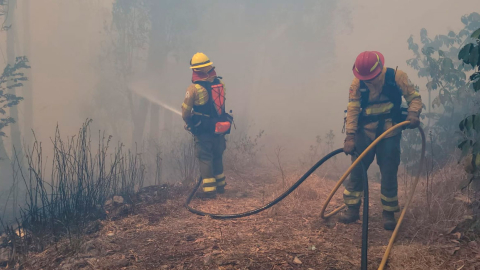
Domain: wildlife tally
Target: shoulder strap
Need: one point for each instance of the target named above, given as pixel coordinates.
(390, 77)
(391, 89)
(364, 95)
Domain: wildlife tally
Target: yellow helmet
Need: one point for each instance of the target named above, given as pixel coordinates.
(200, 60)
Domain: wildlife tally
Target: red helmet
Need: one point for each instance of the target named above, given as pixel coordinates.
(368, 65)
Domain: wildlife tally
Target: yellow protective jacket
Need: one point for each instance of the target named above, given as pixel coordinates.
(412, 97)
(196, 95)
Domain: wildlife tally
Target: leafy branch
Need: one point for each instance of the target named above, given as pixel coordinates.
(11, 78)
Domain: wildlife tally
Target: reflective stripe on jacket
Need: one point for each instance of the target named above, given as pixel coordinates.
(196, 95)
(412, 97)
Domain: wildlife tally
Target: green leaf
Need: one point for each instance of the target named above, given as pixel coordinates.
(474, 17)
(475, 76)
(469, 122)
(423, 33)
(477, 161)
(474, 54)
(463, 33)
(461, 126)
(441, 53)
(476, 86)
(451, 34)
(476, 34)
(447, 64)
(464, 53)
(431, 85)
(428, 51)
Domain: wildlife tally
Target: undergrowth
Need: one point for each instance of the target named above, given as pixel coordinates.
(63, 202)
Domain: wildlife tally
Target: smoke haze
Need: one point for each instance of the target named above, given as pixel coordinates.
(286, 64)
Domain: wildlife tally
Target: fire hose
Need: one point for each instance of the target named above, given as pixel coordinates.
(332, 193)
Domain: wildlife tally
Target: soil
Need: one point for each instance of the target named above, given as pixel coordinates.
(159, 233)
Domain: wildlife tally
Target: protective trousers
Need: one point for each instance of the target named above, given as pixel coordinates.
(387, 152)
(209, 150)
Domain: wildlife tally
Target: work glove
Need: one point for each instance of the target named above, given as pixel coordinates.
(349, 144)
(413, 118)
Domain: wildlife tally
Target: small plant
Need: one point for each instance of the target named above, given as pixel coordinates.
(277, 163)
(470, 125)
(242, 151)
(186, 164)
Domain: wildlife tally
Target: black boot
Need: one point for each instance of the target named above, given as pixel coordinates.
(389, 221)
(206, 195)
(351, 215)
(221, 189)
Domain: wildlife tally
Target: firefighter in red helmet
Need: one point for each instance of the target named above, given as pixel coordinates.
(374, 106)
(203, 111)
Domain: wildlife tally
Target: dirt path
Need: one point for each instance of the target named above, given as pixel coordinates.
(162, 234)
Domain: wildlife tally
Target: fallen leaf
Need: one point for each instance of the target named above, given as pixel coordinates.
(455, 241)
(296, 260)
(110, 234)
(312, 247)
(458, 235)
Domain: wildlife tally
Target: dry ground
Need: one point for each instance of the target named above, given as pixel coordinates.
(162, 234)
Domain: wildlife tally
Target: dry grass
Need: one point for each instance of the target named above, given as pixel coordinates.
(64, 203)
(438, 206)
(163, 235)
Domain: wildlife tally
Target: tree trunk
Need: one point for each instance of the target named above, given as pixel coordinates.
(27, 85)
(14, 128)
(139, 117)
(154, 122)
(5, 165)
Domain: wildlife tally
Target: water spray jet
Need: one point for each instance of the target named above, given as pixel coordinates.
(156, 101)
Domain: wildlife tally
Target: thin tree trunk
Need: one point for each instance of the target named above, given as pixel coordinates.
(5, 165)
(27, 85)
(154, 122)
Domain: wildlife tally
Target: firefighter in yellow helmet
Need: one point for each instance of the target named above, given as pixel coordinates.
(203, 111)
(374, 106)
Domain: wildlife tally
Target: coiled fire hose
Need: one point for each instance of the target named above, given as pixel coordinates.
(268, 205)
(337, 186)
(410, 196)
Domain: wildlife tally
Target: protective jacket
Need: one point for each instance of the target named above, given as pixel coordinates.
(203, 109)
(378, 103)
